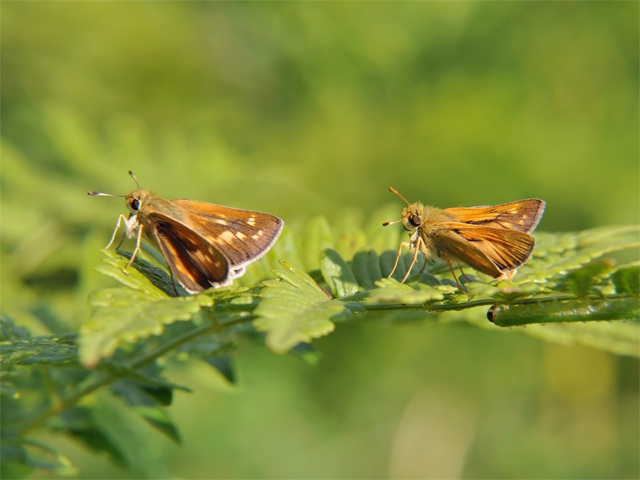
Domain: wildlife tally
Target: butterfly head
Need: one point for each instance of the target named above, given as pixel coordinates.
(135, 200)
(412, 216)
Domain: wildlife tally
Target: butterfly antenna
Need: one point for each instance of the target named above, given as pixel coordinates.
(396, 192)
(104, 194)
(391, 223)
(136, 180)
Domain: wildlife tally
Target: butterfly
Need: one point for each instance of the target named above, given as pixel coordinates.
(494, 240)
(205, 245)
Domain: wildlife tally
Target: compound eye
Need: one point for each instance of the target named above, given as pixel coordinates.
(415, 220)
(135, 204)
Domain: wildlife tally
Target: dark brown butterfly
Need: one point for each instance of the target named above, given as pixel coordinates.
(493, 240)
(205, 245)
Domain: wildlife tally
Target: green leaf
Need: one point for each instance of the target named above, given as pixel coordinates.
(337, 274)
(349, 241)
(317, 238)
(307, 353)
(388, 260)
(582, 281)
(627, 280)
(224, 365)
(620, 338)
(294, 309)
(10, 331)
(430, 279)
(124, 315)
(14, 457)
(163, 396)
(141, 275)
(129, 314)
(148, 378)
(139, 400)
(40, 350)
(366, 268)
(79, 423)
(560, 253)
(60, 466)
(392, 291)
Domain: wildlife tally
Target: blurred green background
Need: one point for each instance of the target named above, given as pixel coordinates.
(311, 108)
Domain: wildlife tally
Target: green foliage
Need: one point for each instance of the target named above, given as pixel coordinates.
(131, 327)
(129, 314)
(337, 274)
(300, 109)
(147, 402)
(294, 310)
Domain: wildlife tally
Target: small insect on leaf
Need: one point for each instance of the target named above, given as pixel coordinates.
(205, 245)
(494, 240)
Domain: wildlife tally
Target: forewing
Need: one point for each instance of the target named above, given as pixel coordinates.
(242, 235)
(196, 263)
(494, 251)
(522, 216)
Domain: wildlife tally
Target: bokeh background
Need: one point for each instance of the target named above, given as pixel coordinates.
(309, 108)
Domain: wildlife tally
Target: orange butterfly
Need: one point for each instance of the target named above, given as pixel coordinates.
(493, 240)
(205, 245)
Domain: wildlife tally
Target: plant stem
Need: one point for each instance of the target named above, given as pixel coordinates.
(487, 302)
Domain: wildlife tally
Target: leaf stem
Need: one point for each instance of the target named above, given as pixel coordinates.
(489, 302)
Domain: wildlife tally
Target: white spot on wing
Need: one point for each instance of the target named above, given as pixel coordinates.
(228, 236)
(251, 221)
(241, 236)
(221, 222)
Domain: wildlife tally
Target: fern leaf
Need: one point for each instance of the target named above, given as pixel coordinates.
(142, 403)
(79, 422)
(317, 238)
(366, 268)
(294, 309)
(337, 274)
(391, 291)
(19, 348)
(627, 280)
(128, 314)
(620, 338)
(560, 253)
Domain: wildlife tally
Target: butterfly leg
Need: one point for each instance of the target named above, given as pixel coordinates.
(121, 240)
(173, 280)
(425, 265)
(462, 272)
(403, 244)
(414, 260)
(454, 275)
(135, 252)
(120, 219)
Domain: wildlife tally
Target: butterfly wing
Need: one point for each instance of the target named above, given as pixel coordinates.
(243, 236)
(496, 252)
(523, 215)
(196, 263)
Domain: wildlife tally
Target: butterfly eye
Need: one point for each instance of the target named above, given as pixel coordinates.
(135, 204)
(415, 220)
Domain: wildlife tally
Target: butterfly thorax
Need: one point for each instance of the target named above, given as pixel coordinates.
(142, 205)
